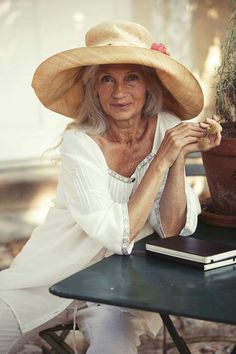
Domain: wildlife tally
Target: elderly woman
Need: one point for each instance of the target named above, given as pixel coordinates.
(122, 176)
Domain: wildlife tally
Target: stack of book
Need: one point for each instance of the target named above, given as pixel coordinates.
(194, 252)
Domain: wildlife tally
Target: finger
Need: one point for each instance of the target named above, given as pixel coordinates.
(209, 121)
(193, 133)
(211, 125)
(188, 129)
(213, 121)
(189, 140)
(216, 118)
(218, 140)
(190, 126)
(198, 127)
(204, 125)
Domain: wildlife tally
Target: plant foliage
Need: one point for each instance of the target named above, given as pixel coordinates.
(226, 85)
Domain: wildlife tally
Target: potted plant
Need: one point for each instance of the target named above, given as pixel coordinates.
(220, 162)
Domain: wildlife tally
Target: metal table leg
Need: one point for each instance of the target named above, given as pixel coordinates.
(179, 341)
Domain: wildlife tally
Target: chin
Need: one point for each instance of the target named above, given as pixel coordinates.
(123, 116)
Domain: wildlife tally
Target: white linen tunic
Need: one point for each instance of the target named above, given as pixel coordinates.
(89, 221)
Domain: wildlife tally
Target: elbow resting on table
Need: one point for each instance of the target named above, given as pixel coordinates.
(133, 232)
(172, 228)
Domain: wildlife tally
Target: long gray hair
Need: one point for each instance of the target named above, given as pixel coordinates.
(91, 118)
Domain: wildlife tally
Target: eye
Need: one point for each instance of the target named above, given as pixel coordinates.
(106, 79)
(132, 78)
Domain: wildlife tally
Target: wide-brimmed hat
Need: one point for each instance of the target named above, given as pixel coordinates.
(59, 87)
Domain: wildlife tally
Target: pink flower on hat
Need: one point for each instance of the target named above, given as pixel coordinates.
(160, 47)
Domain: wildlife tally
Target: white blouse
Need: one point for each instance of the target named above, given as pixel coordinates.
(89, 221)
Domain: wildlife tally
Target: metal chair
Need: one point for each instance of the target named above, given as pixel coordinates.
(55, 337)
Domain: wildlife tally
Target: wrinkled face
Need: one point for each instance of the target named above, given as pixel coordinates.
(121, 89)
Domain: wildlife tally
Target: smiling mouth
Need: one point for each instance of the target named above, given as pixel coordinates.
(120, 105)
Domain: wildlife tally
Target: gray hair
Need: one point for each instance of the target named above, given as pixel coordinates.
(91, 118)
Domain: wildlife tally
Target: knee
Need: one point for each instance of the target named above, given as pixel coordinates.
(114, 345)
(110, 331)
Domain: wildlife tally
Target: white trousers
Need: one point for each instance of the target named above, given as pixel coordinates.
(12, 340)
(107, 330)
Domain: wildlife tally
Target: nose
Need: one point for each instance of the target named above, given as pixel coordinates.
(118, 90)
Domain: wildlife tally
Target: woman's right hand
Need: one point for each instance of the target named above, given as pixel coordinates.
(175, 140)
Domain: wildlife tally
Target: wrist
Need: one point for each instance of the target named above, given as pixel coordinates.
(159, 165)
(180, 161)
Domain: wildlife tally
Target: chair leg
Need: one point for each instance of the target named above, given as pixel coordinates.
(56, 341)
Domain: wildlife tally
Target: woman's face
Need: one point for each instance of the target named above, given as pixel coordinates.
(121, 89)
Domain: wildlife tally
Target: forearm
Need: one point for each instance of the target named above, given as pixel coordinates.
(173, 204)
(141, 202)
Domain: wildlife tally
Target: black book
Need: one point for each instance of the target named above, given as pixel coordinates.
(198, 253)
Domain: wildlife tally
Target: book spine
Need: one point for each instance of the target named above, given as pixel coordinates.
(183, 261)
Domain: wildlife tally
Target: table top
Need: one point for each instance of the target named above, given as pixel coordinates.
(151, 284)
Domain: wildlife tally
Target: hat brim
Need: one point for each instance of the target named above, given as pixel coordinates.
(57, 86)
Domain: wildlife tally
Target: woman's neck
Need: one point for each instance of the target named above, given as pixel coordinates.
(127, 132)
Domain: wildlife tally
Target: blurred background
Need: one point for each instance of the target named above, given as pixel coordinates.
(32, 30)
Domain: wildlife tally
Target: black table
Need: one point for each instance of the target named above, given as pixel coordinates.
(151, 284)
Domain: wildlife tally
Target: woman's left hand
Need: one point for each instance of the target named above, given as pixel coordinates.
(213, 133)
(210, 140)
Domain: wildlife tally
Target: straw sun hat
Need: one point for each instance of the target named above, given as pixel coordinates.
(57, 80)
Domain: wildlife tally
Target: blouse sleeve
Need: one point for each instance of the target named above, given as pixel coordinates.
(84, 187)
(193, 210)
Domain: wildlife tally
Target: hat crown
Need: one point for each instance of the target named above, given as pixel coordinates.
(119, 33)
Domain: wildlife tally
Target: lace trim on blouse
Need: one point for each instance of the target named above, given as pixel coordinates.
(193, 208)
(125, 240)
(158, 220)
(146, 160)
(139, 167)
(120, 177)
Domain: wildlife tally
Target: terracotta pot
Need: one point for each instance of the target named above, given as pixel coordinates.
(210, 216)
(220, 167)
